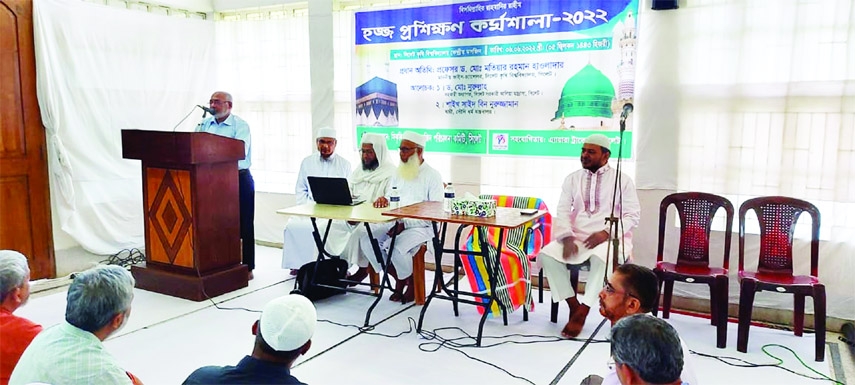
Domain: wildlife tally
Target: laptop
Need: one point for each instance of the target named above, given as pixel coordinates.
(332, 191)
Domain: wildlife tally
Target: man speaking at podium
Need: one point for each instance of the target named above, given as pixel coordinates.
(224, 123)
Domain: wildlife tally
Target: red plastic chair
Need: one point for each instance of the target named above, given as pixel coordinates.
(696, 211)
(777, 216)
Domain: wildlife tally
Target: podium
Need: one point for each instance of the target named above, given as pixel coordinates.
(192, 212)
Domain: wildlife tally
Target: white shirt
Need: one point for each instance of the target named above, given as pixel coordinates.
(64, 354)
(315, 165)
(427, 186)
(371, 184)
(586, 202)
(232, 127)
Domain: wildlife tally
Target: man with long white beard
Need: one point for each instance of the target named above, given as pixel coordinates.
(299, 246)
(416, 182)
(369, 182)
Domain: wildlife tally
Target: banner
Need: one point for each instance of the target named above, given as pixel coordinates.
(513, 78)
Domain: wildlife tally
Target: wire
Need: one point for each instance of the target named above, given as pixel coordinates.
(134, 257)
(436, 341)
(779, 364)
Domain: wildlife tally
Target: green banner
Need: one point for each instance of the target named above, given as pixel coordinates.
(461, 141)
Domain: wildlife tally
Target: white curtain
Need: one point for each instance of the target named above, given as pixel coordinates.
(768, 104)
(100, 70)
(746, 98)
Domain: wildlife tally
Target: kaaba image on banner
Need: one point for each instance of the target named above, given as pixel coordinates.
(377, 103)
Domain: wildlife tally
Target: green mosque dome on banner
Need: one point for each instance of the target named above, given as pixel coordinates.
(588, 93)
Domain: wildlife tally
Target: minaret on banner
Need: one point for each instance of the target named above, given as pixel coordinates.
(627, 40)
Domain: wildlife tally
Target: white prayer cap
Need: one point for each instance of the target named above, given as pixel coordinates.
(325, 132)
(379, 143)
(288, 322)
(416, 138)
(598, 139)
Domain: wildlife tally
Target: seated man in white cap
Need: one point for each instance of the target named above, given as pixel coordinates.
(416, 182)
(369, 182)
(282, 334)
(299, 245)
(581, 232)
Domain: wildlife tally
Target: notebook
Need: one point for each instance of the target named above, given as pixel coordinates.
(332, 191)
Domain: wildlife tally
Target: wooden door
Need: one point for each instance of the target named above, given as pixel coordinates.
(25, 223)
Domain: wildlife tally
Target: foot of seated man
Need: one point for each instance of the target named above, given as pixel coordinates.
(404, 291)
(578, 315)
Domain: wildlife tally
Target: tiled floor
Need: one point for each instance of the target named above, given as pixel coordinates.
(166, 338)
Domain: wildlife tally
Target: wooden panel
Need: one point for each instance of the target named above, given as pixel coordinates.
(11, 106)
(25, 199)
(169, 220)
(15, 222)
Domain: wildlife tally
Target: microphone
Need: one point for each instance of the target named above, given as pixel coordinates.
(627, 109)
(214, 113)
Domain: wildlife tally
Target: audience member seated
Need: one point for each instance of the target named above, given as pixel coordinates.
(282, 334)
(416, 182)
(632, 289)
(98, 304)
(647, 350)
(15, 332)
(298, 246)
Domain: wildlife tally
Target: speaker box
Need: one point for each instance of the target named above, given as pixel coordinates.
(659, 5)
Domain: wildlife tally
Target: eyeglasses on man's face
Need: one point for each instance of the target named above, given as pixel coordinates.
(609, 289)
(406, 149)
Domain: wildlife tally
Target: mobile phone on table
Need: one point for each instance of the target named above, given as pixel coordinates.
(528, 211)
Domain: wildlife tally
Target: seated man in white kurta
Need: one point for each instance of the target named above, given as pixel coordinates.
(416, 182)
(299, 245)
(369, 182)
(581, 233)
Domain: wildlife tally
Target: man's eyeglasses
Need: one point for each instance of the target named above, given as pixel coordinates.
(406, 149)
(609, 289)
(361, 151)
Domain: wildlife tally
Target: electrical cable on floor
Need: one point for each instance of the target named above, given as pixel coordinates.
(134, 257)
(746, 364)
(453, 344)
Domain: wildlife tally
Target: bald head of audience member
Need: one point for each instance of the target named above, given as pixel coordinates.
(99, 300)
(14, 280)
(646, 350)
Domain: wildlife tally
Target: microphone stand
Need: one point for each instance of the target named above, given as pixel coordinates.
(612, 220)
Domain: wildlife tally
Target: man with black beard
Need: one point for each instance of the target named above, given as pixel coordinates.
(368, 182)
(580, 232)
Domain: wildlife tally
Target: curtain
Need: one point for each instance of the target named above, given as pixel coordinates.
(100, 70)
(768, 104)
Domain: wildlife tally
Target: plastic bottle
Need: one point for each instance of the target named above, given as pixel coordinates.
(394, 198)
(449, 196)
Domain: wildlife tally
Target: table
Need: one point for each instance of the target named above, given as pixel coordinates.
(365, 213)
(506, 219)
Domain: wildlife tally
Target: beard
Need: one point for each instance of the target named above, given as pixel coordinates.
(409, 170)
(371, 166)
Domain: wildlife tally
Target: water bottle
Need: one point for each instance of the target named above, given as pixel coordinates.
(449, 196)
(394, 198)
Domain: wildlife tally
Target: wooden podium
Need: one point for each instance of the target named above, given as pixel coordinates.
(192, 212)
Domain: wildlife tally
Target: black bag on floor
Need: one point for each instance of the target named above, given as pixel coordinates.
(330, 272)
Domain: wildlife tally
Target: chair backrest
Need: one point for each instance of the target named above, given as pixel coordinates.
(518, 238)
(777, 216)
(696, 211)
